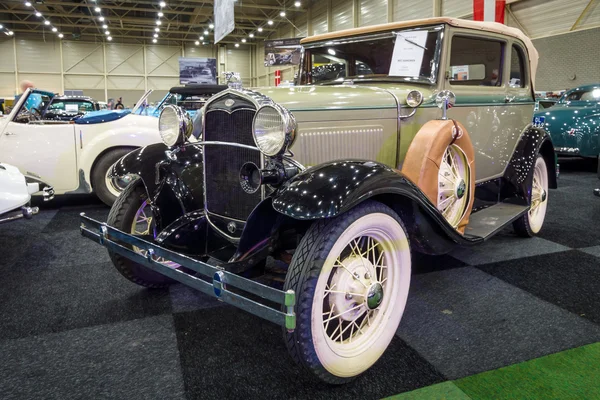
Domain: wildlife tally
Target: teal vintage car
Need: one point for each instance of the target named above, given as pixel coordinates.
(574, 122)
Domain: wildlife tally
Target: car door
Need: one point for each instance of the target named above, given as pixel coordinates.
(45, 148)
(475, 72)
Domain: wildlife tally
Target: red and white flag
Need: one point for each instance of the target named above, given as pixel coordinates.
(489, 10)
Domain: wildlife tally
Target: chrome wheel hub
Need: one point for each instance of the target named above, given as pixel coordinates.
(374, 296)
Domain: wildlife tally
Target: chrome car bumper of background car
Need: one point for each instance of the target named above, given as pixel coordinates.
(25, 212)
(214, 281)
(567, 151)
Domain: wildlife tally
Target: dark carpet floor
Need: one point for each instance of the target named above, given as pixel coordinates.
(73, 328)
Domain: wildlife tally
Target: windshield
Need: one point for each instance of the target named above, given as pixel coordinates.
(76, 106)
(584, 95)
(406, 55)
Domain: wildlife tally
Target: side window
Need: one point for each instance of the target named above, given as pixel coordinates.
(517, 68)
(476, 62)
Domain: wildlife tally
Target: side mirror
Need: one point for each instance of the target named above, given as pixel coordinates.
(445, 100)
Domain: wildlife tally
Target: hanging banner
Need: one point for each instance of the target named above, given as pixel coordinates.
(199, 71)
(224, 19)
(282, 52)
(489, 10)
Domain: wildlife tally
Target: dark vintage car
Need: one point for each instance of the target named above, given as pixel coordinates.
(574, 122)
(303, 205)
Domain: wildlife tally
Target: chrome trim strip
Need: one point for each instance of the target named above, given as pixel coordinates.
(244, 146)
(229, 112)
(220, 232)
(226, 217)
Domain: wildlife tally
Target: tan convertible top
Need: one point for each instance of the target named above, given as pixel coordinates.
(461, 23)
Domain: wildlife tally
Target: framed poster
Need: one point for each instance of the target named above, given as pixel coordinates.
(200, 71)
(282, 52)
(224, 19)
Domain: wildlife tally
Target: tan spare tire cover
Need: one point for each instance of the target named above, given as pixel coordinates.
(424, 156)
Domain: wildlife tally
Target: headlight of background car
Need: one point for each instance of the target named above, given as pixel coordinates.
(174, 125)
(273, 130)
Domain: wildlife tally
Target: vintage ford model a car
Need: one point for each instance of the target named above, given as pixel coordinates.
(330, 185)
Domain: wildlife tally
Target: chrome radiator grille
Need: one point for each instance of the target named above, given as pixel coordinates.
(224, 195)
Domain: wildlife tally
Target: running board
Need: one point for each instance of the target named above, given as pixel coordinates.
(489, 221)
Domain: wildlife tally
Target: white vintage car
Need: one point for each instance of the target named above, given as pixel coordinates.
(16, 191)
(73, 156)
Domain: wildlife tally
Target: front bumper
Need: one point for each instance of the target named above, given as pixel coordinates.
(256, 298)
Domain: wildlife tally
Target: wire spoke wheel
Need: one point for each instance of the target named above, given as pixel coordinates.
(453, 184)
(143, 225)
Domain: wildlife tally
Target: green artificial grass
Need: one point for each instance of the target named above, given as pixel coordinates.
(571, 374)
(441, 391)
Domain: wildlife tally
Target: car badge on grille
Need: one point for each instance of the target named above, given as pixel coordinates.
(231, 227)
(229, 102)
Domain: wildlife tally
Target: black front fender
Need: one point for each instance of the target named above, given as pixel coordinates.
(142, 162)
(330, 189)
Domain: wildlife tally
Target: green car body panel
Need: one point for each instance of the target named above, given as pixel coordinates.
(574, 125)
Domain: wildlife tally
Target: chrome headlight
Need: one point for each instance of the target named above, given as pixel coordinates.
(274, 129)
(414, 98)
(174, 125)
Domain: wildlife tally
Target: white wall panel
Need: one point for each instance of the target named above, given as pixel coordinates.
(7, 56)
(238, 60)
(7, 84)
(161, 83)
(35, 55)
(457, 8)
(319, 16)
(199, 51)
(592, 19)
(126, 82)
(124, 59)
(405, 10)
(548, 17)
(301, 25)
(372, 12)
(84, 82)
(51, 83)
(342, 15)
(163, 60)
(82, 57)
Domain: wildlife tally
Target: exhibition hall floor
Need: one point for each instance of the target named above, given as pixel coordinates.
(72, 327)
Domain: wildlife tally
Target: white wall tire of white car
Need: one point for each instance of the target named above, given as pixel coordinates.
(366, 252)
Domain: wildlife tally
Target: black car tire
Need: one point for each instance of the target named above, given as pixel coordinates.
(121, 216)
(308, 269)
(98, 175)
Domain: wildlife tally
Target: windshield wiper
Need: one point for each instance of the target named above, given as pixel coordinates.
(409, 41)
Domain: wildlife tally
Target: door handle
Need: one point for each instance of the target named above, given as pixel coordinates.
(10, 134)
(509, 99)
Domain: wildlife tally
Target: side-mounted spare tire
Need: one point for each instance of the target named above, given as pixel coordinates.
(441, 162)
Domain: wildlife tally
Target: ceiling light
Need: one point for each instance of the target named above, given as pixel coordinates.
(260, 29)
(97, 9)
(109, 38)
(154, 40)
(101, 19)
(104, 26)
(297, 4)
(197, 43)
(107, 33)
(237, 45)
(38, 14)
(201, 37)
(206, 32)
(282, 14)
(1, 26)
(331, 51)
(156, 35)
(28, 4)
(157, 29)
(54, 29)
(46, 22)
(163, 4)
(10, 33)
(158, 22)
(251, 35)
(212, 26)
(270, 22)
(60, 35)
(160, 14)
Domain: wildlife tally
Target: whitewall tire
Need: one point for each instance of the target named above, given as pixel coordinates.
(351, 275)
(531, 223)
